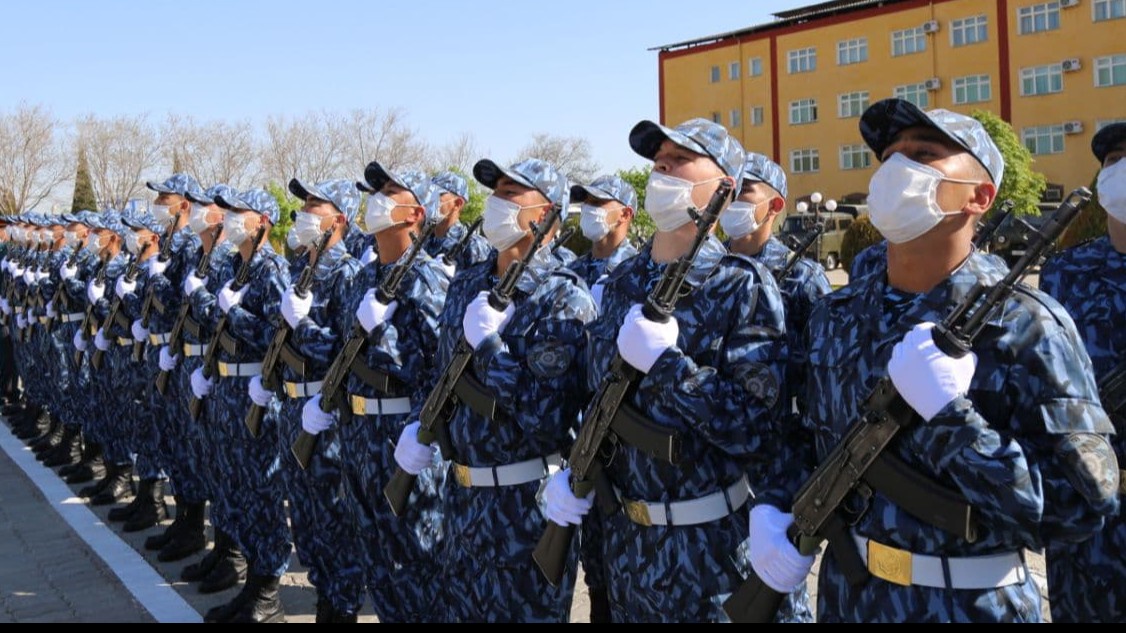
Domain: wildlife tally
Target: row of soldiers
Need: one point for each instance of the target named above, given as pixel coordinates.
(756, 375)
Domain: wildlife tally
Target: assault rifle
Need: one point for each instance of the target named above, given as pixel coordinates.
(150, 292)
(130, 276)
(253, 419)
(984, 234)
(86, 328)
(860, 463)
(60, 292)
(561, 239)
(597, 434)
(800, 249)
(333, 388)
(211, 353)
(440, 403)
(449, 258)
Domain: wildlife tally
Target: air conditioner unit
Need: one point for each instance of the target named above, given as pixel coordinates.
(1073, 127)
(1069, 3)
(930, 26)
(934, 83)
(1070, 65)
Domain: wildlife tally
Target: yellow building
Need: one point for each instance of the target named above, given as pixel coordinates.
(794, 89)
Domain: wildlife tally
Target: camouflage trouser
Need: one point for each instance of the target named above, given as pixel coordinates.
(1085, 580)
(254, 482)
(152, 460)
(214, 458)
(112, 418)
(69, 403)
(323, 530)
(180, 442)
(489, 573)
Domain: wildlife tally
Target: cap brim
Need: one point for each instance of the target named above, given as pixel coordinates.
(304, 191)
(1107, 139)
(160, 188)
(364, 187)
(377, 176)
(232, 205)
(646, 137)
(885, 123)
(582, 193)
(487, 173)
(200, 199)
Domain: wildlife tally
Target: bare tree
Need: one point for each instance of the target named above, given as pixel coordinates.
(571, 154)
(372, 134)
(33, 159)
(120, 151)
(308, 147)
(460, 154)
(214, 151)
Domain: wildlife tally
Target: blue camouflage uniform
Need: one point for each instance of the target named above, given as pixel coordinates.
(590, 269)
(1084, 579)
(477, 249)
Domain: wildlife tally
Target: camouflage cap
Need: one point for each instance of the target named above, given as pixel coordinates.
(451, 182)
(759, 168)
(111, 221)
(425, 192)
(607, 187)
(207, 198)
(257, 200)
(700, 136)
(1107, 139)
(56, 219)
(883, 120)
(90, 219)
(341, 193)
(70, 218)
(530, 172)
(180, 184)
(141, 221)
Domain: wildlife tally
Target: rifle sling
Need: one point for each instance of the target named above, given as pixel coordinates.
(193, 327)
(122, 321)
(922, 497)
(229, 343)
(634, 428)
(295, 361)
(477, 397)
(158, 305)
(378, 379)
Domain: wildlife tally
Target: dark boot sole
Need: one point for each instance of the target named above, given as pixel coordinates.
(143, 520)
(182, 546)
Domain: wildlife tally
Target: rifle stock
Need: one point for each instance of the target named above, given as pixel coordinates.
(800, 250)
(150, 292)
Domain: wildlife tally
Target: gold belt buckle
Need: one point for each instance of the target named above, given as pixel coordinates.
(889, 563)
(224, 370)
(154, 339)
(187, 349)
(359, 405)
(122, 341)
(291, 390)
(638, 512)
(461, 475)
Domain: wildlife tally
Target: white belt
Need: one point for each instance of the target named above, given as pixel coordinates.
(160, 339)
(508, 475)
(191, 349)
(971, 572)
(380, 406)
(72, 317)
(303, 389)
(706, 509)
(239, 370)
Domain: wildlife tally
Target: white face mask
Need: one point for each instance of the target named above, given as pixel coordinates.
(94, 244)
(668, 199)
(70, 238)
(234, 225)
(500, 224)
(1112, 190)
(902, 198)
(133, 243)
(197, 220)
(307, 228)
(593, 223)
(377, 217)
(162, 213)
(739, 219)
(34, 239)
(291, 240)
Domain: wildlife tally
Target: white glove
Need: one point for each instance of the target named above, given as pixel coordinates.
(449, 269)
(774, 558)
(17, 271)
(229, 298)
(139, 331)
(371, 312)
(28, 276)
(95, 291)
(641, 341)
(5, 307)
(80, 343)
(409, 454)
(562, 506)
(21, 321)
(68, 272)
(368, 256)
(596, 291)
(481, 319)
(928, 379)
(313, 420)
(123, 287)
(167, 361)
(100, 341)
(51, 309)
(193, 283)
(157, 267)
(259, 394)
(294, 308)
(41, 275)
(201, 386)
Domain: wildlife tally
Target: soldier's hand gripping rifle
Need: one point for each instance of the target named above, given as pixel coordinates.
(440, 403)
(332, 389)
(150, 293)
(211, 353)
(596, 435)
(176, 336)
(800, 249)
(86, 328)
(859, 463)
(115, 315)
(60, 292)
(984, 235)
(270, 373)
(450, 257)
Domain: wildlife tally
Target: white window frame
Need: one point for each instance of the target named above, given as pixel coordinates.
(982, 83)
(1049, 73)
(1109, 64)
(851, 105)
(1099, 125)
(734, 71)
(1046, 13)
(811, 158)
(1041, 133)
(754, 66)
(1112, 10)
(854, 51)
(802, 60)
(851, 154)
(965, 27)
(714, 75)
(803, 111)
(757, 116)
(915, 36)
(907, 91)
(735, 118)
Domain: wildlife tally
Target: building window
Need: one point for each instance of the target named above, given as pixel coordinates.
(757, 116)
(717, 118)
(803, 111)
(1110, 71)
(1047, 139)
(852, 104)
(733, 71)
(805, 161)
(1039, 17)
(855, 157)
(715, 74)
(736, 118)
(852, 51)
(1109, 10)
(969, 31)
(909, 41)
(1101, 124)
(803, 60)
(754, 66)
(915, 93)
(972, 89)
(1041, 80)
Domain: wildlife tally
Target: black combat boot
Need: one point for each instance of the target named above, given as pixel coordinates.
(228, 571)
(157, 542)
(91, 467)
(35, 423)
(200, 569)
(68, 451)
(119, 485)
(599, 605)
(263, 606)
(48, 440)
(327, 614)
(227, 610)
(189, 538)
(151, 510)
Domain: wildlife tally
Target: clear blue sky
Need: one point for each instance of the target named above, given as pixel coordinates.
(501, 70)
